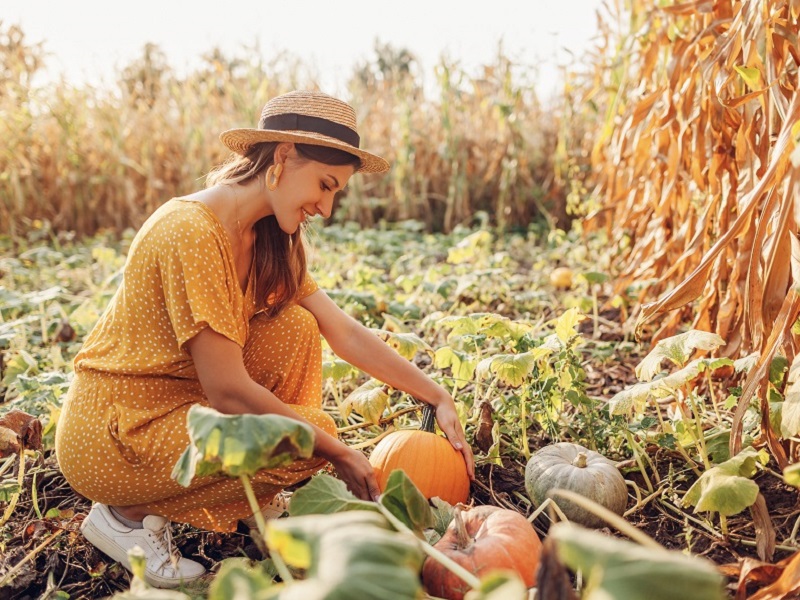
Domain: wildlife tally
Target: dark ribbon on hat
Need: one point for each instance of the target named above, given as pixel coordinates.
(296, 122)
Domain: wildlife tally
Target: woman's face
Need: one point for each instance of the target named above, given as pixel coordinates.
(306, 189)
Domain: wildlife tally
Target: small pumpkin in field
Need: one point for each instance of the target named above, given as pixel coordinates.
(483, 539)
(572, 467)
(561, 278)
(429, 460)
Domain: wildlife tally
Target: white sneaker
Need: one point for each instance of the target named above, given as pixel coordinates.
(276, 508)
(165, 567)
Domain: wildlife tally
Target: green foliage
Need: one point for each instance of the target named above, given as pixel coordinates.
(402, 498)
(239, 578)
(353, 554)
(614, 568)
(727, 488)
(369, 400)
(677, 350)
(240, 444)
(325, 495)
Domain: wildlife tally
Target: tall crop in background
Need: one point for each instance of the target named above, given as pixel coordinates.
(695, 173)
(85, 158)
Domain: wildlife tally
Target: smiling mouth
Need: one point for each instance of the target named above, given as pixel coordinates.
(307, 214)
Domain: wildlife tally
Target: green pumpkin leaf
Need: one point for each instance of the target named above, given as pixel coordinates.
(726, 488)
(677, 349)
(462, 364)
(512, 369)
(402, 498)
(442, 512)
(459, 326)
(406, 345)
(593, 277)
(505, 329)
(238, 578)
(8, 489)
(615, 568)
(368, 400)
(338, 370)
(566, 324)
(350, 555)
(325, 495)
(777, 370)
(636, 395)
(240, 444)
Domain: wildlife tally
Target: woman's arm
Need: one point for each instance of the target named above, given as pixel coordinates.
(229, 389)
(356, 344)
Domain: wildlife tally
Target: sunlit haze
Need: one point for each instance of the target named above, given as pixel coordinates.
(89, 39)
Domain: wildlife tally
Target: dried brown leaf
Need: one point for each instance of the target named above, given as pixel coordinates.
(26, 428)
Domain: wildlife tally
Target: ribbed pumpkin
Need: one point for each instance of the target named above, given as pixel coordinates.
(429, 460)
(572, 467)
(483, 539)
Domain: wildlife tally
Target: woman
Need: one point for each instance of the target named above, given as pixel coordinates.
(216, 308)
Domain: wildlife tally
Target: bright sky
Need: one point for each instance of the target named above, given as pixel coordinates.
(89, 39)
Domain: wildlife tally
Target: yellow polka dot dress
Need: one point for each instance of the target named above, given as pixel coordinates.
(123, 425)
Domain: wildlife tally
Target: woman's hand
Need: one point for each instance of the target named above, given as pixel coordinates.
(447, 418)
(355, 470)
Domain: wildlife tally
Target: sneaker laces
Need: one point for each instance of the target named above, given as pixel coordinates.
(165, 544)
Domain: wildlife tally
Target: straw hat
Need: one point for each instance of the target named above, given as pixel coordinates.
(306, 117)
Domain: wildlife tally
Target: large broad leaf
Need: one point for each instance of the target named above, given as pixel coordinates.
(406, 345)
(614, 568)
(677, 349)
(368, 400)
(512, 369)
(402, 498)
(338, 370)
(325, 495)
(459, 325)
(566, 324)
(240, 444)
(442, 512)
(726, 488)
(462, 365)
(637, 394)
(347, 555)
(237, 578)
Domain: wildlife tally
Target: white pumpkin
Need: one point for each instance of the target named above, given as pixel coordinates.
(572, 467)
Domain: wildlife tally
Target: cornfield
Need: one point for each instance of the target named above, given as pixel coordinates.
(696, 173)
(84, 158)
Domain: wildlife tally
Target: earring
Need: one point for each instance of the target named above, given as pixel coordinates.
(273, 176)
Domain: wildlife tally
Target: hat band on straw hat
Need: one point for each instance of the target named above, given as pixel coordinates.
(298, 122)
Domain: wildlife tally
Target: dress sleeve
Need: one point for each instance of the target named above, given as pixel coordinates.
(200, 288)
(309, 287)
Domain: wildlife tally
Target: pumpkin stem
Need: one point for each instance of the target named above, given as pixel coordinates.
(580, 460)
(462, 537)
(428, 419)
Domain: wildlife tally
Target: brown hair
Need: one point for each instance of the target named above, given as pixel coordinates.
(280, 258)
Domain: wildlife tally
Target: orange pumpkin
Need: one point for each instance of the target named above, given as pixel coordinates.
(483, 539)
(429, 460)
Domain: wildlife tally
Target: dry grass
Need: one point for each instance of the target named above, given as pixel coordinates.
(86, 158)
